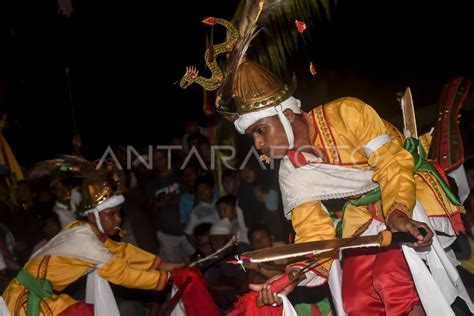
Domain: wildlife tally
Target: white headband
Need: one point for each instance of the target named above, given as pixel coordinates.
(113, 201)
(246, 120)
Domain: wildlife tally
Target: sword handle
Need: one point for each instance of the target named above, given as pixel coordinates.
(406, 238)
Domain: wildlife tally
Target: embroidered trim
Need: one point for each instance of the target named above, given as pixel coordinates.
(327, 137)
(376, 210)
(21, 301)
(433, 185)
(318, 136)
(310, 125)
(399, 208)
(44, 307)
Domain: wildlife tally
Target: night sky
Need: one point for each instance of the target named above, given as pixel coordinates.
(370, 49)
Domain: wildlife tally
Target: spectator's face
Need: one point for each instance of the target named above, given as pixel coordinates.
(230, 185)
(189, 177)
(269, 137)
(226, 211)
(204, 192)
(249, 174)
(260, 239)
(260, 194)
(219, 241)
(203, 245)
(110, 220)
(62, 192)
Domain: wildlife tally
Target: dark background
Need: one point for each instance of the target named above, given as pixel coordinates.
(125, 93)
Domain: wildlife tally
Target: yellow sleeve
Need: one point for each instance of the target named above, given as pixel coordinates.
(120, 272)
(312, 223)
(136, 257)
(393, 166)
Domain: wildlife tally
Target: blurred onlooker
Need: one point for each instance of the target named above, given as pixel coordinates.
(50, 226)
(305, 300)
(227, 208)
(8, 264)
(203, 243)
(191, 127)
(268, 199)
(138, 210)
(191, 173)
(249, 203)
(231, 182)
(61, 191)
(204, 211)
(22, 221)
(174, 246)
(225, 281)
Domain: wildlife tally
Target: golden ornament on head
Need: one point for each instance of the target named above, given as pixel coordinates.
(255, 87)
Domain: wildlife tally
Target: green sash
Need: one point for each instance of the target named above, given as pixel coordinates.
(422, 164)
(38, 290)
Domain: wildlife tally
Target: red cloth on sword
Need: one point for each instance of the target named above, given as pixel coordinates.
(246, 305)
(196, 298)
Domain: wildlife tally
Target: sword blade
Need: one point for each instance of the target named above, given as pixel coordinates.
(409, 117)
(315, 247)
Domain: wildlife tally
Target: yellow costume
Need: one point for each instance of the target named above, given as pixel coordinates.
(361, 156)
(128, 266)
(83, 248)
(342, 129)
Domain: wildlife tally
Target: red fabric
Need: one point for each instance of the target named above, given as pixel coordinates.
(377, 282)
(457, 222)
(78, 309)
(441, 171)
(315, 310)
(246, 305)
(196, 298)
(297, 158)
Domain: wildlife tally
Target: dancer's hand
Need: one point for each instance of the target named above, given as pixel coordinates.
(266, 295)
(398, 222)
(170, 267)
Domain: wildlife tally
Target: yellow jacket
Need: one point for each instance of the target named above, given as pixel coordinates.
(344, 129)
(129, 266)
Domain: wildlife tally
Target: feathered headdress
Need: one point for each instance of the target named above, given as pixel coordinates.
(245, 86)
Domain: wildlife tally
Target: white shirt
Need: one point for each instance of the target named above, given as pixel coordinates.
(64, 213)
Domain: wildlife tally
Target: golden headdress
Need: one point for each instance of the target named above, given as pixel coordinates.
(100, 188)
